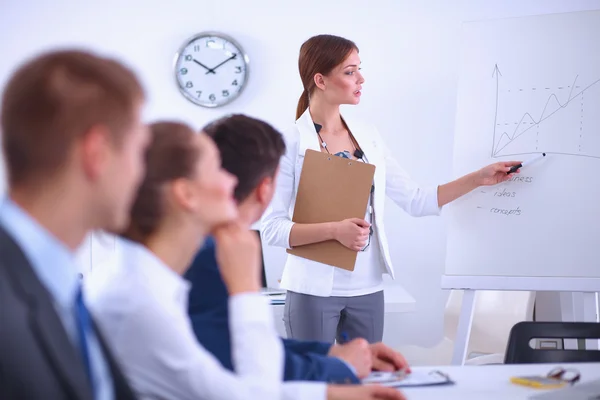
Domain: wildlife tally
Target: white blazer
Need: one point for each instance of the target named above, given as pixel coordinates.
(310, 277)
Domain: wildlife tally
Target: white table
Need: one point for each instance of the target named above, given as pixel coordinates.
(492, 382)
(397, 300)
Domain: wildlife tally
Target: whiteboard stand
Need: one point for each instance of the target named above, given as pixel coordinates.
(463, 331)
(585, 302)
(590, 313)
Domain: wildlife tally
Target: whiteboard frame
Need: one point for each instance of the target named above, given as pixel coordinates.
(538, 284)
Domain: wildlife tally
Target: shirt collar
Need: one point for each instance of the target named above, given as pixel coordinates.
(164, 282)
(52, 261)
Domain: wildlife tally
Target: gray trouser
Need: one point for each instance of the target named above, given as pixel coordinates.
(325, 319)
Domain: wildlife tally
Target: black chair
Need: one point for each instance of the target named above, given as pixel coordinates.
(519, 350)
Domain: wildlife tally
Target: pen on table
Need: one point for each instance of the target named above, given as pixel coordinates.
(514, 168)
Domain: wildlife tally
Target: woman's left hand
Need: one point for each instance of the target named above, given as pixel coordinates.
(495, 173)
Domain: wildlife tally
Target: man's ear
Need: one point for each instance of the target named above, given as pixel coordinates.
(265, 190)
(183, 194)
(94, 150)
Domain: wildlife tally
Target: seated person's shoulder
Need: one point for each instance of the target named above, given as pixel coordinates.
(206, 252)
(204, 260)
(291, 135)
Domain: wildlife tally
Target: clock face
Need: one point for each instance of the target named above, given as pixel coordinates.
(211, 69)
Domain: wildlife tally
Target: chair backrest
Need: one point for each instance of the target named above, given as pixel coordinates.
(519, 350)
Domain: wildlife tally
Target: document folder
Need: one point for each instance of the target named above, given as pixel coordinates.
(331, 188)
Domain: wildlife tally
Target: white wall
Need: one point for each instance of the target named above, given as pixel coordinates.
(408, 49)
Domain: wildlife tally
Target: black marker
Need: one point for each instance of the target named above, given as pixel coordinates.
(514, 168)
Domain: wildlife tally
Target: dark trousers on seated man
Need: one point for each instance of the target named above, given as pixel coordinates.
(208, 311)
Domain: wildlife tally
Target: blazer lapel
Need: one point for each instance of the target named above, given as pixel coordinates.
(45, 322)
(366, 136)
(308, 134)
(365, 139)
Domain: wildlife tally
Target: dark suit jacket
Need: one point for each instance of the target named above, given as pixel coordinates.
(209, 313)
(37, 359)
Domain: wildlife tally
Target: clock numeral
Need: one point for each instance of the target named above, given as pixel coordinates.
(196, 47)
(188, 58)
(212, 97)
(183, 71)
(234, 83)
(238, 70)
(210, 43)
(225, 93)
(189, 84)
(198, 93)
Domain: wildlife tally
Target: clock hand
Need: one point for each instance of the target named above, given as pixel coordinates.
(209, 70)
(230, 58)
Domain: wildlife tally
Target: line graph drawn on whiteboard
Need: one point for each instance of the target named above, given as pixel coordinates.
(526, 86)
(556, 119)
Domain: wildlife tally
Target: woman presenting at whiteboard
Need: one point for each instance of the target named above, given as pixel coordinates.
(324, 302)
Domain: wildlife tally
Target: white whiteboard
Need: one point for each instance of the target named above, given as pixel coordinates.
(529, 85)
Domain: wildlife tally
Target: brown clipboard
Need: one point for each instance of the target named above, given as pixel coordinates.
(331, 188)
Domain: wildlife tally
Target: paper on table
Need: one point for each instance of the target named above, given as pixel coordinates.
(277, 299)
(415, 378)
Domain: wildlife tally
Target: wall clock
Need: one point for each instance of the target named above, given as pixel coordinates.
(211, 69)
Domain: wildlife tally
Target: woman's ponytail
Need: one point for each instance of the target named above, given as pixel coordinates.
(302, 104)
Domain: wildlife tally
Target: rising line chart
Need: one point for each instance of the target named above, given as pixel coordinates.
(503, 136)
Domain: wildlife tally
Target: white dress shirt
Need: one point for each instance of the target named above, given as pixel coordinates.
(55, 266)
(143, 311)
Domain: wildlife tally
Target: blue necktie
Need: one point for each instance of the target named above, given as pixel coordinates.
(84, 328)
